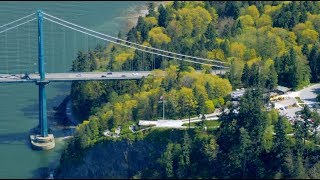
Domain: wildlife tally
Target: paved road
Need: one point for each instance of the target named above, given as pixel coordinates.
(80, 76)
(309, 94)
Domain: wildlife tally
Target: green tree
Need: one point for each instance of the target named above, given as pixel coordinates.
(151, 7)
(299, 170)
(299, 137)
(234, 74)
(280, 145)
(163, 16)
(245, 78)
(210, 35)
(184, 157)
(177, 5)
(244, 151)
(167, 160)
(305, 50)
(272, 80)
(232, 9)
(312, 58)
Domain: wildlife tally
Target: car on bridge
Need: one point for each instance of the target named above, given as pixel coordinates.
(123, 75)
(26, 76)
(109, 73)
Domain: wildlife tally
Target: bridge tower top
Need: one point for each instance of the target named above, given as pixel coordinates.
(40, 45)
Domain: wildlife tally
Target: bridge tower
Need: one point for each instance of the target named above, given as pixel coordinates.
(42, 140)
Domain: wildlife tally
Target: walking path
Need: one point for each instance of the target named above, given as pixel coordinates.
(179, 123)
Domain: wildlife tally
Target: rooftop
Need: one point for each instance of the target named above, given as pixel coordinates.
(283, 89)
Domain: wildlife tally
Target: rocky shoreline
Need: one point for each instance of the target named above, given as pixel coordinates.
(64, 114)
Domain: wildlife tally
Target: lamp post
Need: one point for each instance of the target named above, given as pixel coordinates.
(162, 100)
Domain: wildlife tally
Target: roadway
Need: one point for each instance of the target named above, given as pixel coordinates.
(75, 76)
(81, 76)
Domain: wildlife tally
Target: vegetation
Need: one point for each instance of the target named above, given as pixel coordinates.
(265, 43)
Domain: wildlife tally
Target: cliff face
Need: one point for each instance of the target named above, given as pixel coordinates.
(120, 159)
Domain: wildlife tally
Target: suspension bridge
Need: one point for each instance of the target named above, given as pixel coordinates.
(41, 139)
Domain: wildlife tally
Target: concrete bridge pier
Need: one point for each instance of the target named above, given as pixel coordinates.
(42, 140)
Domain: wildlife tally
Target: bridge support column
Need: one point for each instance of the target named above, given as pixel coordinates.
(42, 140)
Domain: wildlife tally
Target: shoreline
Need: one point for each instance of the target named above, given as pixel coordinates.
(64, 111)
(142, 10)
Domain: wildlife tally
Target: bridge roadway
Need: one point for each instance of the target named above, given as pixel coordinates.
(79, 76)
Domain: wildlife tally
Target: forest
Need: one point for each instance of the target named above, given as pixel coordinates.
(265, 43)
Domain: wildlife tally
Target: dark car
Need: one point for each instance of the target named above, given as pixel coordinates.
(108, 73)
(123, 75)
(26, 76)
(103, 76)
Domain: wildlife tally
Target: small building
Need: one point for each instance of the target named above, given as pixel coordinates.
(236, 95)
(273, 94)
(282, 89)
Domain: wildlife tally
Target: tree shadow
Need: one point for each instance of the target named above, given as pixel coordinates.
(316, 91)
(32, 110)
(41, 173)
(311, 100)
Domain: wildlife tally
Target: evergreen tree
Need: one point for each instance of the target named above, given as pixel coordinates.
(184, 162)
(163, 16)
(210, 91)
(244, 151)
(251, 116)
(255, 75)
(167, 160)
(299, 137)
(280, 144)
(210, 35)
(226, 33)
(225, 46)
(245, 78)
(236, 28)
(312, 58)
(299, 170)
(131, 36)
(232, 9)
(177, 5)
(272, 80)
(233, 76)
(142, 28)
(305, 50)
(151, 7)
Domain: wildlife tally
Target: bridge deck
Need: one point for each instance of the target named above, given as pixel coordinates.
(79, 76)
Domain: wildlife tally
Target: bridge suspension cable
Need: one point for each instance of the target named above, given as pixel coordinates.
(133, 42)
(132, 46)
(17, 20)
(17, 25)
